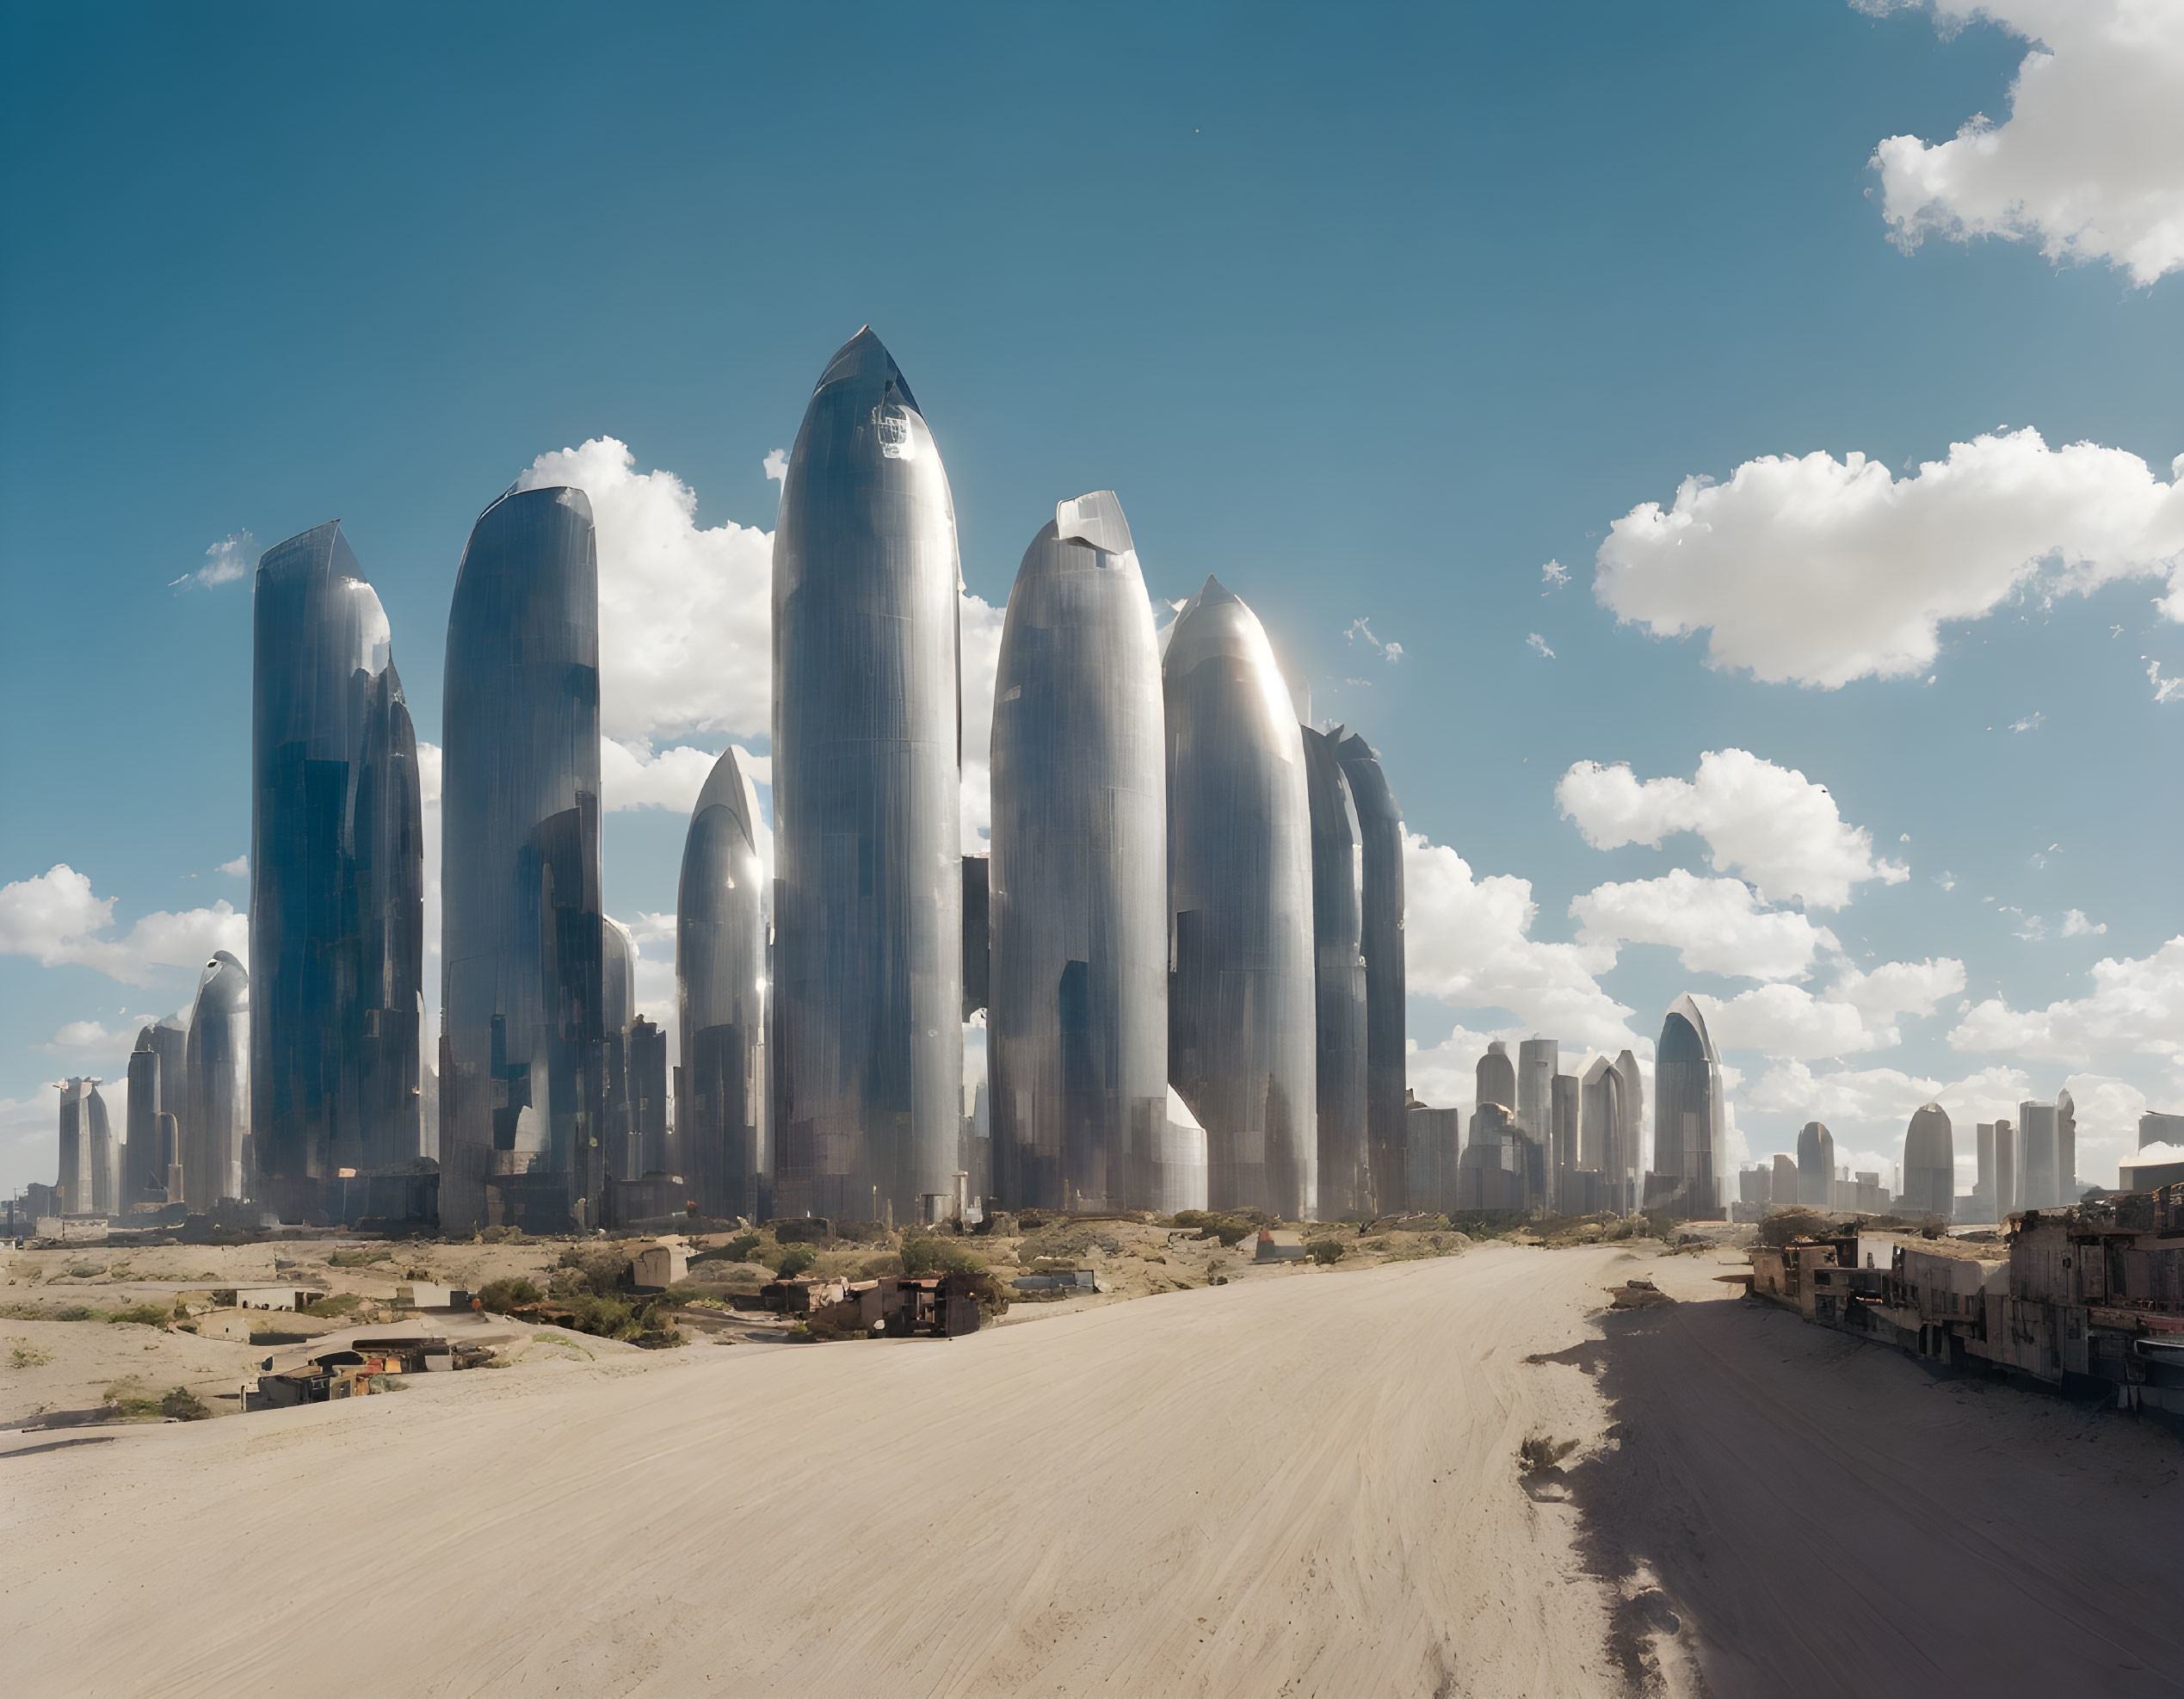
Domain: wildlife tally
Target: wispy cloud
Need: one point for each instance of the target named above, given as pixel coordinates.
(1538, 645)
(225, 562)
(1361, 631)
(1554, 575)
(777, 465)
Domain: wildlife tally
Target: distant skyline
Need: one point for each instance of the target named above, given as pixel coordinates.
(1642, 425)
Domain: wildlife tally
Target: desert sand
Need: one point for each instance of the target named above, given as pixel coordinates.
(1303, 1485)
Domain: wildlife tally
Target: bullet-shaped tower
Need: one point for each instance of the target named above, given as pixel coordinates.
(720, 997)
(143, 1170)
(1241, 994)
(522, 978)
(216, 1153)
(868, 1038)
(1930, 1162)
(1495, 1080)
(1076, 1032)
(336, 879)
(1687, 1114)
(1387, 1062)
(1816, 1165)
(1339, 982)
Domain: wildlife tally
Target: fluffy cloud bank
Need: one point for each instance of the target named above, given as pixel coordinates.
(1716, 925)
(1767, 824)
(55, 918)
(2136, 1007)
(2090, 162)
(1860, 1012)
(1815, 570)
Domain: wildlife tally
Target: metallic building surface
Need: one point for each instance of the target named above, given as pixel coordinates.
(144, 1174)
(720, 996)
(1630, 1157)
(2038, 1185)
(1606, 1138)
(1434, 1154)
(866, 1047)
(1816, 1165)
(1180, 1169)
(1346, 1191)
(1539, 1059)
(648, 1097)
(618, 1008)
(522, 953)
(72, 1185)
(2006, 1193)
(336, 876)
(1564, 1139)
(1077, 1033)
(1495, 1078)
(1687, 1111)
(102, 1152)
(1241, 994)
(2066, 1149)
(1930, 1162)
(1387, 1060)
(216, 1133)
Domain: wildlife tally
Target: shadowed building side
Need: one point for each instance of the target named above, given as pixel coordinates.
(2066, 1149)
(1387, 1060)
(522, 953)
(1340, 991)
(2040, 1185)
(1687, 1114)
(336, 876)
(217, 1154)
(1815, 1166)
(618, 1008)
(1076, 1030)
(72, 1184)
(720, 999)
(1930, 1162)
(1240, 993)
(867, 1038)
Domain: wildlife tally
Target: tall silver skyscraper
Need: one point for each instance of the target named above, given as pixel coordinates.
(143, 1172)
(867, 1040)
(618, 1154)
(523, 995)
(1631, 1107)
(216, 1133)
(1076, 1032)
(720, 997)
(1565, 1135)
(2038, 1183)
(1539, 1059)
(2066, 1149)
(1240, 1009)
(2007, 1200)
(1493, 1080)
(1930, 1164)
(166, 1040)
(1603, 1143)
(73, 1186)
(1815, 1166)
(337, 880)
(104, 1153)
(1686, 1113)
(1387, 1061)
(1345, 1153)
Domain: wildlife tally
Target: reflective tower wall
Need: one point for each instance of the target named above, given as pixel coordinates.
(1077, 888)
(1630, 1157)
(2006, 1197)
(1340, 990)
(337, 878)
(1387, 1063)
(2066, 1149)
(1929, 1162)
(2037, 1185)
(720, 999)
(1495, 1077)
(1539, 1059)
(523, 973)
(1815, 1166)
(618, 1154)
(73, 1183)
(867, 1040)
(1686, 1112)
(143, 1173)
(104, 1152)
(1241, 995)
(1600, 1139)
(216, 1133)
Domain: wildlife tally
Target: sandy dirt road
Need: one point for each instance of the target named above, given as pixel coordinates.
(1304, 1486)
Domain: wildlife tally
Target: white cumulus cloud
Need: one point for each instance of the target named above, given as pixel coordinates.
(238, 869)
(227, 561)
(55, 918)
(2136, 1007)
(1715, 925)
(1767, 824)
(2089, 162)
(1860, 1012)
(1817, 572)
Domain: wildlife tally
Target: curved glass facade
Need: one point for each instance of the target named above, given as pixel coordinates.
(1816, 1165)
(1930, 1162)
(216, 1133)
(1241, 1014)
(867, 1037)
(618, 1008)
(522, 994)
(72, 1184)
(1078, 1026)
(338, 879)
(1387, 1057)
(1686, 1113)
(720, 997)
(1339, 983)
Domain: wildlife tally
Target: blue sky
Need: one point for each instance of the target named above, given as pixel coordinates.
(1373, 314)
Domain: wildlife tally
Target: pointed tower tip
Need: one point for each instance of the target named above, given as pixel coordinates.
(1214, 591)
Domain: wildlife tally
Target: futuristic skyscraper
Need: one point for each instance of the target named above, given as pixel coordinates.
(217, 1152)
(73, 1184)
(2039, 1182)
(1816, 1165)
(1241, 997)
(165, 1046)
(1078, 1026)
(2066, 1149)
(143, 1172)
(523, 998)
(338, 879)
(1930, 1162)
(1493, 1080)
(1686, 1113)
(1600, 1113)
(1340, 991)
(1387, 1062)
(868, 1038)
(720, 997)
(1539, 1059)
(619, 1153)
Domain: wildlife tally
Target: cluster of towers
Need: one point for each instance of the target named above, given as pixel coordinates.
(2030, 1165)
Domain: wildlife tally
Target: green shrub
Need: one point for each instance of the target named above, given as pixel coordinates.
(794, 1261)
(29, 1356)
(500, 1296)
(76, 1312)
(184, 1405)
(147, 1315)
(341, 1303)
(878, 1268)
(740, 1248)
(1326, 1251)
(358, 1259)
(500, 1236)
(925, 1254)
